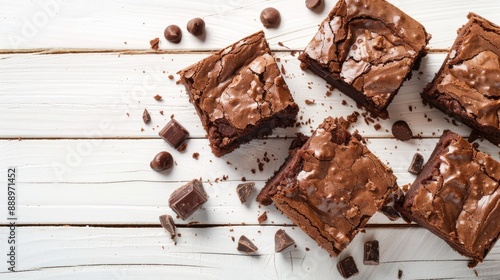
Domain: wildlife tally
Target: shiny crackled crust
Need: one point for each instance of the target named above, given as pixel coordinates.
(456, 196)
(239, 93)
(467, 86)
(366, 48)
(331, 186)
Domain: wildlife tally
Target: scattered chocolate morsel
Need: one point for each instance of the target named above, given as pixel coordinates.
(246, 246)
(390, 213)
(196, 155)
(400, 273)
(371, 256)
(282, 241)
(313, 4)
(155, 43)
(174, 133)
(270, 17)
(157, 97)
(167, 223)
(146, 117)
(196, 26)
(187, 199)
(416, 165)
(162, 161)
(401, 130)
(309, 102)
(347, 267)
(173, 33)
(262, 218)
(244, 190)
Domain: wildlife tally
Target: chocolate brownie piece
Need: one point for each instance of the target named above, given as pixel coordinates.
(239, 94)
(456, 196)
(330, 186)
(366, 49)
(467, 87)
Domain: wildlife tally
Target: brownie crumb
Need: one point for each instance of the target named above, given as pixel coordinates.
(155, 43)
(172, 116)
(344, 102)
(243, 179)
(196, 155)
(253, 170)
(400, 274)
(158, 97)
(171, 77)
(262, 218)
(283, 70)
(309, 102)
(232, 238)
(410, 108)
(161, 113)
(146, 117)
(377, 126)
(261, 166)
(307, 249)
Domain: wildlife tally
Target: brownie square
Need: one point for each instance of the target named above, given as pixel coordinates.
(456, 196)
(467, 87)
(330, 186)
(239, 94)
(366, 49)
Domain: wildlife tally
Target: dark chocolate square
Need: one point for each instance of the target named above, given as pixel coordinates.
(187, 199)
(347, 267)
(366, 49)
(371, 253)
(174, 133)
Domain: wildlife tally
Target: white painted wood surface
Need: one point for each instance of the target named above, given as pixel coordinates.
(75, 77)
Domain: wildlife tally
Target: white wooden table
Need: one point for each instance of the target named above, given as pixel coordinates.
(75, 77)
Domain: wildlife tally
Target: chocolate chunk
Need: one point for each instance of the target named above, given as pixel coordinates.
(244, 191)
(157, 97)
(347, 267)
(167, 223)
(313, 4)
(282, 241)
(246, 246)
(270, 17)
(262, 218)
(174, 133)
(146, 117)
(371, 256)
(162, 161)
(390, 213)
(401, 130)
(417, 163)
(400, 274)
(187, 199)
(155, 43)
(196, 26)
(173, 33)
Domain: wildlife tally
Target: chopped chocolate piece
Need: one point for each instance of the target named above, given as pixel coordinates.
(174, 133)
(366, 49)
(270, 17)
(155, 43)
(309, 102)
(246, 246)
(196, 26)
(157, 97)
(196, 155)
(244, 191)
(400, 274)
(402, 131)
(282, 241)
(371, 256)
(239, 94)
(167, 223)
(262, 218)
(456, 196)
(173, 33)
(416, 165)
(390, 212)
(187, 199)
(467, 85)
(347, 267)
(146, 117)
(162, 161)
(313, 4)
(331, 186)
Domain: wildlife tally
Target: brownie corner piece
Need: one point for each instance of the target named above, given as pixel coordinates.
(467, 86)
(331, 185)
(456, 196)
(239, 94)
(366, 49)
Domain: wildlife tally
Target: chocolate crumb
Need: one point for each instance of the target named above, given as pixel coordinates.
(182, 147)
(146, 117)
(243, 179)
(253, 170)
(400, 274)
(262, 218)
(377, 126)
(410, 108)
(171, 77)
(196, 155)
(161, 113)
(158, 97)
(172, 116)
(232, 238)
(155, 43)
(283, 70)
(309, 102)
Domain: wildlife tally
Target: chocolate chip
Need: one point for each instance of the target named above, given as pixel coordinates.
(262, 218)
(187, 199)
(146, 117)
(155, 43)
(390, 213)
(174, 133)
(246, 246)
(157, 97)
(416, 165)
(196, 26)
(162, 161)
(282, 241)
(173, 33)
(313, 4)
(270, 17)
(167, 223)
(347, 267)
(371, 256)
(401, 130)
(244, 191)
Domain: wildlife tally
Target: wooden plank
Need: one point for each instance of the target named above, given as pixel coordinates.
(80, 24)
(104, 96)
(52, 252)
(112, 182)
